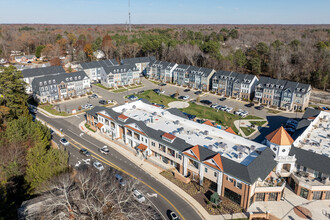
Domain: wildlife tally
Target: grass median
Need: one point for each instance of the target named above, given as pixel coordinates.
(50, 108)
(151, 96)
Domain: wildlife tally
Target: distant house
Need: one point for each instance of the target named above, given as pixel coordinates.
(30, 74)
(57, 87)
(25, 58)
(99, 54)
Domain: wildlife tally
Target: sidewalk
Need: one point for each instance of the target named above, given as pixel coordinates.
(154, 171)
(246, 123)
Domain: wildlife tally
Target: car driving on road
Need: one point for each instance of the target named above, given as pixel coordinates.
(174, 216)
(64, 142)
(84, 152)
(104, 150)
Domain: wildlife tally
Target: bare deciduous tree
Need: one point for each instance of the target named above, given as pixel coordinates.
(91, 195)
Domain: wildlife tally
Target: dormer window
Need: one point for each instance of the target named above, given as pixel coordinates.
(49, 81)
(79, 77)
(168, 137)
(54, 81)
(45, 83)
(67, 79)
(70, 78)
(40, 84)
(75, 78)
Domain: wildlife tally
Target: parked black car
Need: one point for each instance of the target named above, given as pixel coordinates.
(198, 92)
(103, 102)
(222, 99)
(186, 90)
(206, 102)
(250, 104)
(162, 84)
(259, 107)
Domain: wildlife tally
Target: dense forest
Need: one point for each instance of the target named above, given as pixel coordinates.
(27, 159)
(294, 52)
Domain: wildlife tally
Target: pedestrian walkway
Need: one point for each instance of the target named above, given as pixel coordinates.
(154, 171)
(284, 209)
(247, 123)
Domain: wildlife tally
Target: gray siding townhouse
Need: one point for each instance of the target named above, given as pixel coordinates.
(30, 74)
(282, 93)
(93, 69)
(57, 87)
(115, 76)
(236, 85)
(179, 72)
(140, 62)
(161, 70)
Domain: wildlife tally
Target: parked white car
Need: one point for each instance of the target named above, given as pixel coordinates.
(186, 97)
(229, 109)
(138, 196)
(244, 114)
(98, 166)
(238, 112)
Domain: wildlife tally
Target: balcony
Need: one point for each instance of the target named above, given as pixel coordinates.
(307, 180)
(272, 183)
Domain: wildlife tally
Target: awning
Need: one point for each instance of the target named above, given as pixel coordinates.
(142, 147)
(99, 125)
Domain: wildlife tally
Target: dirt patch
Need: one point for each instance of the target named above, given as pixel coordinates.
(302, 212)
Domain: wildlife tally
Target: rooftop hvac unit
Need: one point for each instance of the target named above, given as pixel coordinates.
(151, 119)
(154, 113)
(134, 106)
(253, 148)
(206, 132)
(240, 155)
(123, 110)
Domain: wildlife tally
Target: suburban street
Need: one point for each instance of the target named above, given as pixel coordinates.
(166, 199)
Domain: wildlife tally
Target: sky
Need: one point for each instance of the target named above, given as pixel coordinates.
(166, 11)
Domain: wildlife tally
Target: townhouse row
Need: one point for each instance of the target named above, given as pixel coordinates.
(52, 88)
(267, 91)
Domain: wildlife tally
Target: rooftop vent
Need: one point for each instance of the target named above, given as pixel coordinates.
(134, 106)
(240, 155)
(252, 148)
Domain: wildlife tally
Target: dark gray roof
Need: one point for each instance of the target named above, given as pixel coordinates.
(177, 112)
(99, 64)
(311, 112)
(181, 67)
(57, 79)
(301, 127)
(120, 69)
(96, 109)
(311, 160)
(42, 71)
(138, 60)
(296, 87)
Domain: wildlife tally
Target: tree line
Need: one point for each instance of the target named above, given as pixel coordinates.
(298, 53)
(27, 159)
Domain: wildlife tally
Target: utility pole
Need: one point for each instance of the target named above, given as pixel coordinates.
(129, 15)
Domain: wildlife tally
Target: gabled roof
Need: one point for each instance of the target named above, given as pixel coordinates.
(208, 122)
(195, 150)
(230, 130)
(35, 72)
(120, 69)
(138, 60)
(142, 147)
(123, 117)
(280, 137)
(169, 136)
(99, 125)
(217, 160)
(99, 64)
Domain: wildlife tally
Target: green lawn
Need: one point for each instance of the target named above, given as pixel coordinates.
(89, 127)
(258, 123)
(154, 97)
(273, 111)
(205, 112)
(247, 131)
(135, 87)
(49, 108)
(101, 86)
(119, 90)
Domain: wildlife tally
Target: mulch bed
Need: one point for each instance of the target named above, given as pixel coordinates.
(302, 212)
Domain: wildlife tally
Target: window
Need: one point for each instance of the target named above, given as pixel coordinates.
(272, 196)
(317, 195)
(153, 144)
(215, 174)
(260, 196)
(274, 148)
(283, 150)
(327, 195)
(305, 169)
(238, 185)
(230, 179)
(40, 83)
(205, 170)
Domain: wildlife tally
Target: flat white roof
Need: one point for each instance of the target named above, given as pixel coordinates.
(316, 137)
(228, 145)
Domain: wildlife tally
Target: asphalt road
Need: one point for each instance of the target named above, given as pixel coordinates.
(166, 199)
